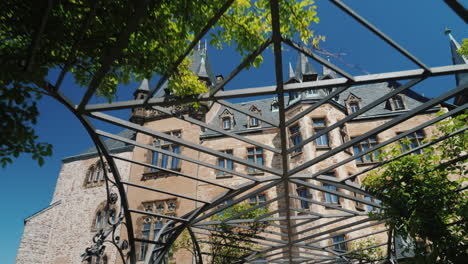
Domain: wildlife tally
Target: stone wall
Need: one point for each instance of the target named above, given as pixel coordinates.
(62, 233)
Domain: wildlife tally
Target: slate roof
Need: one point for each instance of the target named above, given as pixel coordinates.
(112, 145)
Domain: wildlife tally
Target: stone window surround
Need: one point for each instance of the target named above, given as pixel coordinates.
(90, 177)
(104, 214)
(250, 118)
(257, 199)
(226, 114)
(370, 143)
(222, 174)
(393, 102)
(151, 173)
(345, 237)
(326, 121)
(292, 136)
(152, 206)
(352, 99)
(255, 156)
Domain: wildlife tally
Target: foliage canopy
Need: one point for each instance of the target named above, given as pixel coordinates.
(423, 195)
(105, 43)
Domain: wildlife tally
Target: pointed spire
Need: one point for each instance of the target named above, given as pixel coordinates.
(144, 86)
(292, 75)
(457, 58)
(327, 71)
(304, 68)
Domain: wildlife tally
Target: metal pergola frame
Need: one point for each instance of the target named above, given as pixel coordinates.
(280, 241)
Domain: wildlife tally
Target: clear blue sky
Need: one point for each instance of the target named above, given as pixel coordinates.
(416, 25)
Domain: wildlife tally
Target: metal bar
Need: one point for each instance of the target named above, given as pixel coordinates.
(316, 105)
(194, 42)
(347, 231)
(319, 188)
(173, 172)
(317, 58)
(270, 90)
(236, 201)
(248, 113)
(379, 33)
(36, 41)
(358, 237)
(387, 142)
(157, 215)
(384, 127)
(458, 8)
(331, 206)
(112, 165)
(276, 36)
(216, 129)
(172, 154)
(241, 66)
(256, 236)
(114, 52)
(357, 113)
(165, 192)
(148, 241)
(176, 140)
(251, 209)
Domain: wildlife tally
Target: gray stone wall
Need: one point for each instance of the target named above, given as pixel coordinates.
(62, 233)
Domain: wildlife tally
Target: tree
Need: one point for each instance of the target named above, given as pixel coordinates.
(366, 251)
(105, 43)
(423, 195)
(226, 243)
(464, 48)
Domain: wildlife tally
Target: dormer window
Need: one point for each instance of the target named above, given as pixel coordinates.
(354, 107)
(274, 106)
(397, 103)
(253, 121)
(226, 120)
(312, 92)
(226, 123)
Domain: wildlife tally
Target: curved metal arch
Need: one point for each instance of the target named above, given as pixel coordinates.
(290, 247)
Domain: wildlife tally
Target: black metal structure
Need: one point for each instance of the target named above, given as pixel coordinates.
(281, 241)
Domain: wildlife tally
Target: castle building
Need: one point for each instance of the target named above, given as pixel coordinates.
(61, 232)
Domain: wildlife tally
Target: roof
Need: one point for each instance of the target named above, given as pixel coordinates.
(112, 145)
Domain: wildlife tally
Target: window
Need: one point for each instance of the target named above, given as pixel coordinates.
(304, 193)
(150, 226)
(226, 123)
(311, 92)
(330, 198)
(255, 155)
(98, 220)
(258, 199)
(319, 125)
(412, 141)
(338, 244)
(253, 122)
(145, 234)
(371, 208)
(354, 107)
(364, 146)
(293, 95)
(398, 103)
(225, 163)
(295, 137)
(163, 160)
(274, 106)
(103, 217)
(95, 175)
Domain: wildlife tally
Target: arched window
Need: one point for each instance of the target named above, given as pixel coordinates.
(98, 222)
(104, 260)
(145, 234)
(98, 173)
(90, 175)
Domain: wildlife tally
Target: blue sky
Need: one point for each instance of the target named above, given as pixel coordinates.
(416, 25)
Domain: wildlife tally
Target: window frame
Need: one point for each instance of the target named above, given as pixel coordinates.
(418, 137)
(165, 161)
(398, 106)
(223, 123)
(339, 244)
(226, 162)
(295, 136)
(325, 136)
(364, 145)
(254, 158)
(304, 204)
